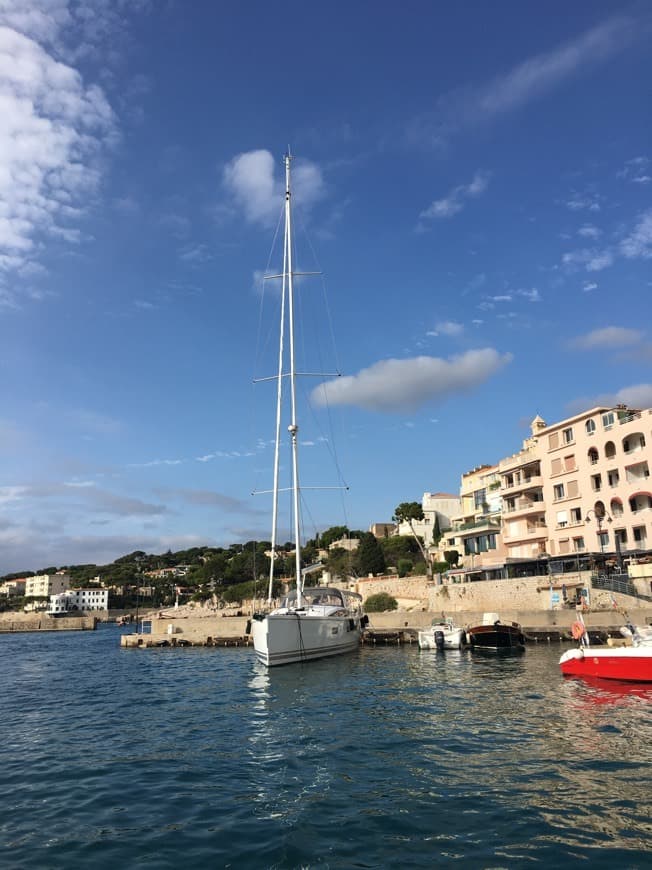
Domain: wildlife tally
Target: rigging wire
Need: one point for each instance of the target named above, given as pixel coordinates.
(255, 437)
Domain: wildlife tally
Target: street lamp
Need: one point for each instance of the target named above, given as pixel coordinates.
(599, 516)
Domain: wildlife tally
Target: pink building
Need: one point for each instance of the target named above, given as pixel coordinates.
(580, 486)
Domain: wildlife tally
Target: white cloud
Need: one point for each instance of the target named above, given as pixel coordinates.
(639, 243)
(256, 181)
(599, 260)
(592, 259)
(546, 71)
(152, 463)
(589, 285)
(402, 385)
(455, 201)
(208, 498)
(195, 253)
(447, 327)
(95, 499)
(589, 231)
(53, 132)
(532, 295)
(636, 396)
(527, 81)
(608, 337)
(636, 171)
(588, 201)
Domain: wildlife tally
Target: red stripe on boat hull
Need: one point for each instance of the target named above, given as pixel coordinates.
(617, 664)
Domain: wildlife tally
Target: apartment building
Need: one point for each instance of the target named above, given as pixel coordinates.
(44, 585)
(79, 601)
(596, 472)
(436, 506)
(580, 486)
(476, 529)
(524, 526)
(13, 587)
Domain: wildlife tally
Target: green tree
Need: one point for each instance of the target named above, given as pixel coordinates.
(369, 556)
(408, 512)
(452, 557)
(436, 531)
(340, 562)
(399, 547)
(404, 567)
(380, 602)
(335, 533)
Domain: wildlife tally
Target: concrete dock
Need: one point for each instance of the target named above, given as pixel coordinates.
(386, 628)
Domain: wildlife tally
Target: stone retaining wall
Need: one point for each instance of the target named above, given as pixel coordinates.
(520, 593)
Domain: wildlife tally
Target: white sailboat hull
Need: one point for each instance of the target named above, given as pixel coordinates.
(285, 638)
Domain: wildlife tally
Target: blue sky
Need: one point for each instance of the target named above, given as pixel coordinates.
(475, 181)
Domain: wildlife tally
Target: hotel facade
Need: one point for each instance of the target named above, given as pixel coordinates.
(578, 488)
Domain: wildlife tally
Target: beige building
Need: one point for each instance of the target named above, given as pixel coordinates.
(440, 506)
(47, 584)
(596, 470)
(580, 486)
(524, 527)
(382, 530)
(13, 587)
(476, 528)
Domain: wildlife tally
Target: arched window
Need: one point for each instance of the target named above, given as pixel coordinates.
(616, 507)
(610, 450)
(590, 427)
(593, 456)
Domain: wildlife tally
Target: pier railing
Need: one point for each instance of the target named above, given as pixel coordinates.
(617, 583)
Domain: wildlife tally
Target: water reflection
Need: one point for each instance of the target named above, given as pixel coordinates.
(388, 756)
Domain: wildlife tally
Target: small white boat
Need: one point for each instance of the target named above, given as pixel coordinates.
(311, 623)
(442, 634)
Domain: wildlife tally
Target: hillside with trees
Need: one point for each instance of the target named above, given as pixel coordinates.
(239, 571)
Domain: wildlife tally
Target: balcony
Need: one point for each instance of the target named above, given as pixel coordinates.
(491, 525)
(524, 506)
(531, 532)
(534, 481)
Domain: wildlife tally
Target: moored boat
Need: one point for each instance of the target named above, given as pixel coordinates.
(441, 635)
(311, 623)
(494, 635)
(327, 623)
(631, 663)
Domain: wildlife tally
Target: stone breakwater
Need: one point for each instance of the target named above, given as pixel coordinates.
(11, 623)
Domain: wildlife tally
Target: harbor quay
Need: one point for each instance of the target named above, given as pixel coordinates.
(544, 606)
(398, 626)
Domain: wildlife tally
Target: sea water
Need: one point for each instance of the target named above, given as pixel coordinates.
(192, 758)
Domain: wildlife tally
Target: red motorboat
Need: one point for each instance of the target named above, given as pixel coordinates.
(626, 663)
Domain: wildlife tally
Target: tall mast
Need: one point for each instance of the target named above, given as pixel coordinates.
(293, 428)
(279, 414)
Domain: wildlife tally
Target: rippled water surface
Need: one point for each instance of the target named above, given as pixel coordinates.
(191, 758)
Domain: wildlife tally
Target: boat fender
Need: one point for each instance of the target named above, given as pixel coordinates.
(439, 640)
(248, 627)
(351, 624)
(364, 622)
(577, 630)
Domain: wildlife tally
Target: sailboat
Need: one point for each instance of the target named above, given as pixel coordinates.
(312, 622)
